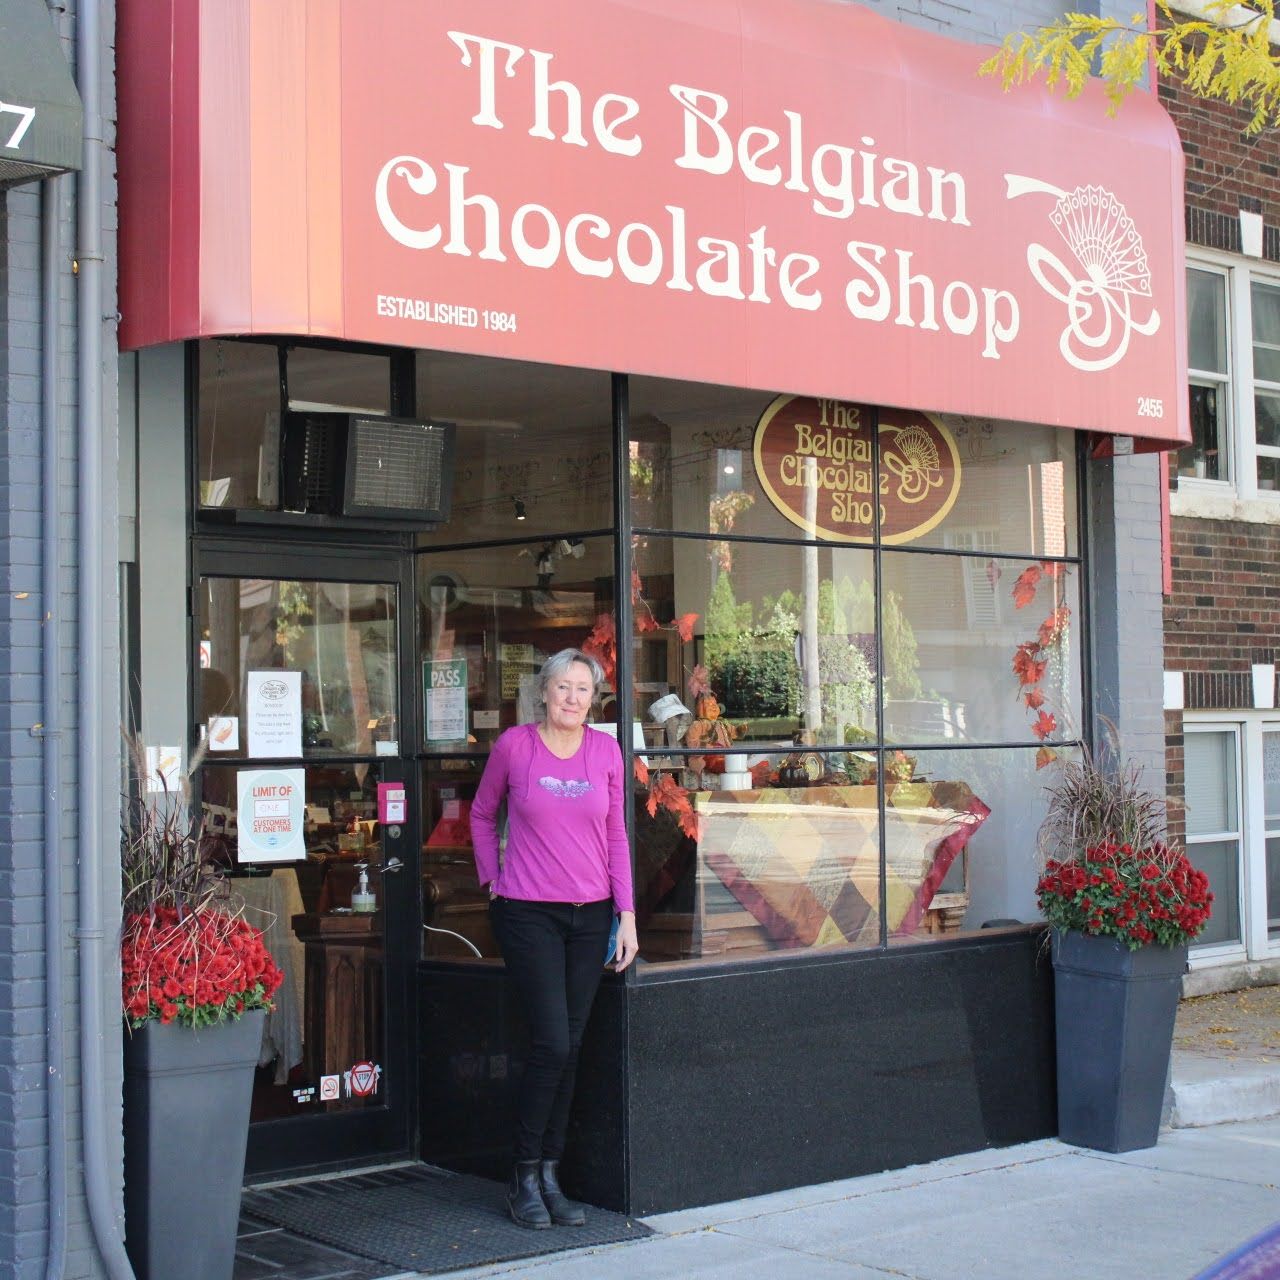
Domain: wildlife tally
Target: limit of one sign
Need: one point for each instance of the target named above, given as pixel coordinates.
(271, 808)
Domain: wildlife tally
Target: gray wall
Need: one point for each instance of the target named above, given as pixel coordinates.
(23, 1133)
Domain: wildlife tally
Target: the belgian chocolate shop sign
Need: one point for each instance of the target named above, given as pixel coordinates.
(774, 194)
(815, 460)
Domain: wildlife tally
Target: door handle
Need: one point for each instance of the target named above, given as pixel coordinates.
(391, 866)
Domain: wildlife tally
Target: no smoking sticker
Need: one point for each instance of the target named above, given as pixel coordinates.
(329, 1088)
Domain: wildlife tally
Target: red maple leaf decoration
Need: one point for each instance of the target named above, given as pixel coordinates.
(602, 645)
(675, 800)
(1027, 666)
(1034, 698)
(1053, 569)
(684, 626)
(1024, 590)
(1045, 724)
(699, 681)
(1045, 756)
(1053, 626)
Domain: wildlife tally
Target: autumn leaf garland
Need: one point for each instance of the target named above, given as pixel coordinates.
(1031, 657)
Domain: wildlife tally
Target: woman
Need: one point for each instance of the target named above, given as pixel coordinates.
(552, 897)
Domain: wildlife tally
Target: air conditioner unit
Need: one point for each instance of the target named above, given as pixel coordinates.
(364, 467)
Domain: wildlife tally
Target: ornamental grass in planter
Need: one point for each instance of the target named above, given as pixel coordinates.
(196, 982)
(1124, 908)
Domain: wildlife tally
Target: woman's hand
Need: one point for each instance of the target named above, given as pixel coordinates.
(628, 946)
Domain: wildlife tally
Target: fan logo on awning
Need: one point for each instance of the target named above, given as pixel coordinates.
(1108, 250)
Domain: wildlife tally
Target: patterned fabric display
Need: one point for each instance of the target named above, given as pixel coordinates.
(805, 862)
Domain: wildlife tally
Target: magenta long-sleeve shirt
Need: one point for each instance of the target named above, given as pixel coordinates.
(566, 836)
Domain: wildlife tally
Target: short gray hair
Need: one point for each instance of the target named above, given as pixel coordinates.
(559, 663)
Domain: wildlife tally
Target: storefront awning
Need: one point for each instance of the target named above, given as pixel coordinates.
(41, 120)
(791, 195)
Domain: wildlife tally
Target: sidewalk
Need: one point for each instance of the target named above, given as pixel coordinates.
(1043, 1208)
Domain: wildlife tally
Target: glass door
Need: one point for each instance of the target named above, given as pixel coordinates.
(306, 800)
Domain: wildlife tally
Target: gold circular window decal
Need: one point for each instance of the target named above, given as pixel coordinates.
(814, 460)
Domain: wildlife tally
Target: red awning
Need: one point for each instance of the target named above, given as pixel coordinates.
(791, 195)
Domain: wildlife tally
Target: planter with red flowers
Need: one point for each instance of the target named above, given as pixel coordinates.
(1124, 907)
(197, 982)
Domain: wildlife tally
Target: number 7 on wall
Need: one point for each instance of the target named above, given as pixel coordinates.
(25, 116)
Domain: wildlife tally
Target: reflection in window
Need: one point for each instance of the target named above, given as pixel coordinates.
(341, 637)
(533, 450)
(489, 617)
(1213, 825)
(238, 403)
(781, 638)
(980, 650)
(1205, 458)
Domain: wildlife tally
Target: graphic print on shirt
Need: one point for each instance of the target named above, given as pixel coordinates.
(565, 788)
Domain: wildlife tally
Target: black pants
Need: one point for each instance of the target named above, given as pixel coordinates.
(555, 956)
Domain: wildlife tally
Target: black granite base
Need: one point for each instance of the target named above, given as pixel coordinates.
(699, 1085)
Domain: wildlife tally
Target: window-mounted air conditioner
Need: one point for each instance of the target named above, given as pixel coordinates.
(364, 467)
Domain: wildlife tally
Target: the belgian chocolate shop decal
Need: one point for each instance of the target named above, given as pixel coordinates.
(814, 460)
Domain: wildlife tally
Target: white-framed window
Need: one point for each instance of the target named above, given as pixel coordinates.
(1232, 797)
(1233, 367)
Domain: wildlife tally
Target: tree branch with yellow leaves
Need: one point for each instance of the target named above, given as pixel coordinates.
(1225, 56)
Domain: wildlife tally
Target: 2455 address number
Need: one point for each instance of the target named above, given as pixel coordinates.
(1150, 407)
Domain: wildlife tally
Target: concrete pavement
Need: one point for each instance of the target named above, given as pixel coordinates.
(1044, 1208)
(1040, 1209)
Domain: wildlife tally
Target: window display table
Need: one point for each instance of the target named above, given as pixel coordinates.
(800, 867)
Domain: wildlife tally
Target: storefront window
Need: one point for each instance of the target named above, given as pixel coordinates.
(783, 668)
(335, 640)
(957, 665)
(533, 450)
(781, 638)
(238, 434)
(489, 617)
(712, 460)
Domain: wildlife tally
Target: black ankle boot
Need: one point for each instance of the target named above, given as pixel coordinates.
(564, 1213)
(524, 1197)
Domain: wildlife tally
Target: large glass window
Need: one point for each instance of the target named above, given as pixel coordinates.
(980, 649)
(336, 641)
(1213, 825)
(533, 450)
(1265, 305)
(1206, 458)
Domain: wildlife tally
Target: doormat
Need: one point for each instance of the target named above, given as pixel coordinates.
(425, 1219)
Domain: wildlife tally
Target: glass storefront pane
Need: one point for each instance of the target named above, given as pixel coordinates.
(238, 424)
(533, 449)
(322, 381)
(1220, 861)
(338, 637)
(455, 909)
(759, 642)
(711, 460)
(1210, 795)
(1207, 321)
(1016, 491)
(960, 835)
(979, 649)
(329, 1009)
(489, 617)
(774, 865)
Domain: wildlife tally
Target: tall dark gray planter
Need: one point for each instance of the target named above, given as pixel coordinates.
(186, 1121)
(1114, 1010)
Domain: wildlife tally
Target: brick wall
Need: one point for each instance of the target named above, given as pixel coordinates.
(1226, 171)
(23, 1072)
(1224, 612)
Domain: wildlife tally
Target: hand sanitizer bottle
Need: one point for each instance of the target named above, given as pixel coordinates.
(362, 900)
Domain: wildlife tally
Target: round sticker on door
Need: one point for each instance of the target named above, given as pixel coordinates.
(364, 1078)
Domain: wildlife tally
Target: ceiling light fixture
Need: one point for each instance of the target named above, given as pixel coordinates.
(520, 512)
